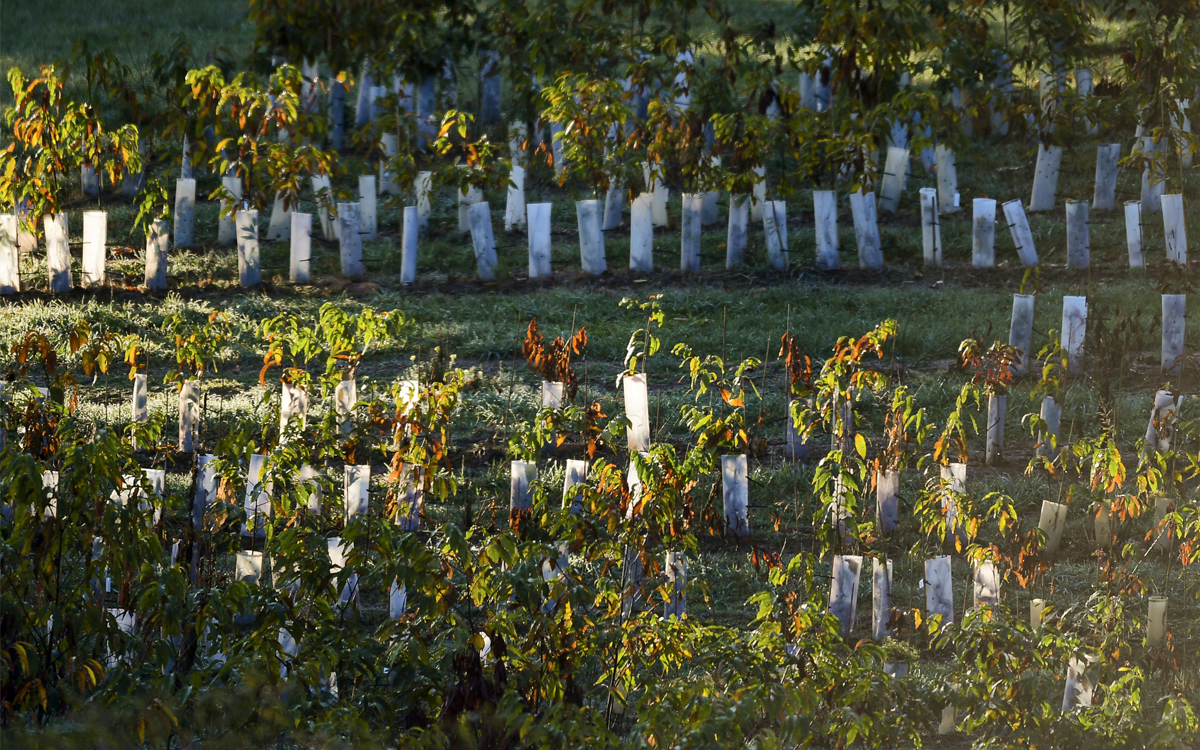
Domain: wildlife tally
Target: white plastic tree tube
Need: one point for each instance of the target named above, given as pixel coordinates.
(881, 598)
(185, 212)
(466, 199)
(1052, 523)
(1104, 197)
(480, 216)
(1083, 88)
(825, 216)
(1156, 622)
(1174, 307)
(539, 239)
(157, 241)
(614, 202)
(258, 499)
(1022, 236)
(1133, 233)
(887, 500)
(637, 409)
(514, 207)
(323, 193)
(931, 230)
(995, 428)
(986, 583)
(576, 473)
(892, 184)
(866, 230)
(386, 178)
(300, 248)
(368, 208)
(1074, 327)
(189, 415)
(1020, 332)
(293, 403)
(691, 225)
(1103, 526)
(95, 237)
(775, 232)
(226, 226)
(139, 411)
(350, 241)
(249, 267)
(735, 488)
(1153, 185)
(281, 220)
(739, 224)
(947, 181)
(356, 490)
(409, 238)
(641, 233)
(939, 589)
(843, 592)
(345, 397)
(1174, 228)
(10, 258)
(521, 474)
(1078, 236)
(58, 254)
(1045, 178)
(759, 196)
(983, 233)
(423, 190)
(1051, 414)
(590, 217)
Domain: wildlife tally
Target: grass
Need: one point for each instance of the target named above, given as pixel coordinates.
(737, 314)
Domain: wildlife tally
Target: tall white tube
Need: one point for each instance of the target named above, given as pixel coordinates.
(739, 223)
(539, 239)
(1174, 228)
(479, 216)
(892, 184)
(931, 230)
(1074, 327)
(983, 233)
(368, 200)
(410, 234)
(590, 217)
(1020, 332)
(350, 240)
(1108, 156)
(185, 212)
(249, 268)
(58, 253)
(1078, 237)
(514, 207)
(947, 182)
(423, 188)
(1045, 178)
(693, 210)
(158, 238)
(1133, 233)
(866, 230)
(1022, 236)
(641, 233)
(226, 225)
(300, 250)
(825, 216)
(95, 237)
(1174, 309)
(775, 232)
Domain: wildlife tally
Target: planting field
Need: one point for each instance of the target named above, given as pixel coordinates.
(283, 498)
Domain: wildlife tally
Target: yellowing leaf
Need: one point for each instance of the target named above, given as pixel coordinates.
(860, 444)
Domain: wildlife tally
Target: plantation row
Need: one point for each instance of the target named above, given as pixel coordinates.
(255, 575)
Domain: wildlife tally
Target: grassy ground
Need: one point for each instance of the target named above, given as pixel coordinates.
(738, 314)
